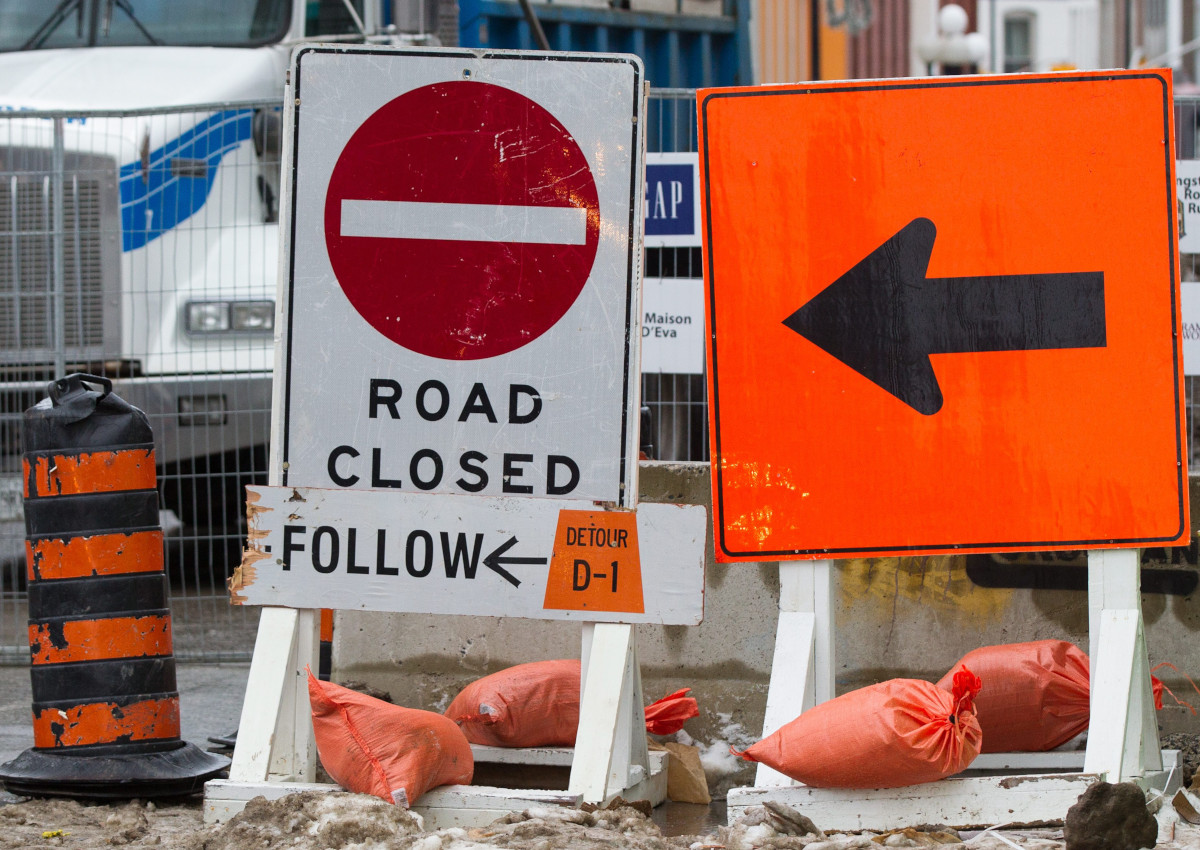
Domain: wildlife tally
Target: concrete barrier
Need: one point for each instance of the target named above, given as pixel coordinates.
(911, 617)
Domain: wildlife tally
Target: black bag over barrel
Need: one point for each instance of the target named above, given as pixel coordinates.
(105, 701)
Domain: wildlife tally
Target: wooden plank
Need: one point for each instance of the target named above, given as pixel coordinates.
(611, 648)
(389, 550)
(1064, 760)
(1114, 578)
(791, 676)
(294, 750)
(550, 756)
(1115, 735)
(265, 684)
(451, 805)
(974, 802)
(803, 664)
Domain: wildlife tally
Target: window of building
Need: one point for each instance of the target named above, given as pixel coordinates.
(1018, 42)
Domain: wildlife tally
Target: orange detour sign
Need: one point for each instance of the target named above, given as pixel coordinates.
(595, 565)
(943, 316)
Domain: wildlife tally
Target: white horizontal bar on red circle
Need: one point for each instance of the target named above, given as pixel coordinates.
(464, 222)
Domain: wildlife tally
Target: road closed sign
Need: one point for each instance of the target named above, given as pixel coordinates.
(461, 290)
(943, 316)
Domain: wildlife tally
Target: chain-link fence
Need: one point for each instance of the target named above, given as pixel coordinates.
(142, 246)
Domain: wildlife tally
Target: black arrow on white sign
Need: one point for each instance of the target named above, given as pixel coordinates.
(496, 558)
(884, 317)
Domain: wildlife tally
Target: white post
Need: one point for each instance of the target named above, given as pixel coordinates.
(612, 721)
(1123, 731)
(275, 734)
(802, 671)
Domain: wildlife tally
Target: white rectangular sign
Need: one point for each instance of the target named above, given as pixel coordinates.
(672, 200)
(1187, 202)
(460, 304)
(673, 326)
(1189, 299)
(537, 558)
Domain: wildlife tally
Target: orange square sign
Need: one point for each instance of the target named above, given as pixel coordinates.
(596, 565)
(943, 315)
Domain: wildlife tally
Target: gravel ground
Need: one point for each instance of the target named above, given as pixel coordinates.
(343, 821)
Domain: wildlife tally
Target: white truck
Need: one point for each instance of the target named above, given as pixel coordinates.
(139, 175)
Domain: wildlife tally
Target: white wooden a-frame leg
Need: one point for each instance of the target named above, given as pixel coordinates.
(1123, 732)
(612, 724)
(802, 668)
(275, 735)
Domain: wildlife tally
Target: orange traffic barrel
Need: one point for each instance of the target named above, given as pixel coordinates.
(105, 700)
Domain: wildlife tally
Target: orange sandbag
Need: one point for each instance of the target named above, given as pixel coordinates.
(537, 705)
(899, 732)
(667, 715)
(1036, 697)
(373, 747)
(530, 705)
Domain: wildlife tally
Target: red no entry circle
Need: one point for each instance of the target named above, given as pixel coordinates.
(462, 220)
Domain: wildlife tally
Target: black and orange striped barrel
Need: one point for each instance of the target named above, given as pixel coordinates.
(105, 699)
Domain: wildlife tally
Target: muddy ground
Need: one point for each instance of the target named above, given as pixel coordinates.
(315, 821)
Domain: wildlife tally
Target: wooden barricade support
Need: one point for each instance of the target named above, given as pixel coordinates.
(1122, 742)
(371, 354)
(276, 754)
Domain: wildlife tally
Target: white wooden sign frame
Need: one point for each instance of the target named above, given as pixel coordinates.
(275, 752)
(1122, 745)
(471, 555)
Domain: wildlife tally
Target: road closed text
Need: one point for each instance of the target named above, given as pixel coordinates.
(469, 470)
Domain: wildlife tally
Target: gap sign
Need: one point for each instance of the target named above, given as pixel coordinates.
(461, 292)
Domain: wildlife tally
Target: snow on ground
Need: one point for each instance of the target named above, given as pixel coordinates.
(344, 821)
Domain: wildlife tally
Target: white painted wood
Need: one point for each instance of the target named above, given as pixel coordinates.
(294, 751)
(975, 802)
(612, 652)
(515, 536)
(803, 664)
(1145, 737)
(585, 654)
(648, 785)
(824, 688)
(265, 684)
(451, 805)
(1122, 743)
(1066, 761)
(1114, 581)
(549, 756)
(791, 678)
(1123, 731)
(631, 753)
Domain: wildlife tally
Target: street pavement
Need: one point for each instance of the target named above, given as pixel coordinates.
(210, 704)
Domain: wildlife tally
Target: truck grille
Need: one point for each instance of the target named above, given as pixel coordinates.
(27, 256)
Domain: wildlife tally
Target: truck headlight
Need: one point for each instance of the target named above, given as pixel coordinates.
(252, 315)
(204, 317)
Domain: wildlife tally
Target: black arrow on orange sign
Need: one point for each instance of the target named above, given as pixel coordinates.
(496, 558)
(884, 317)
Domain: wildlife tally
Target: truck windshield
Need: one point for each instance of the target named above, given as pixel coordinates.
(35, 24)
